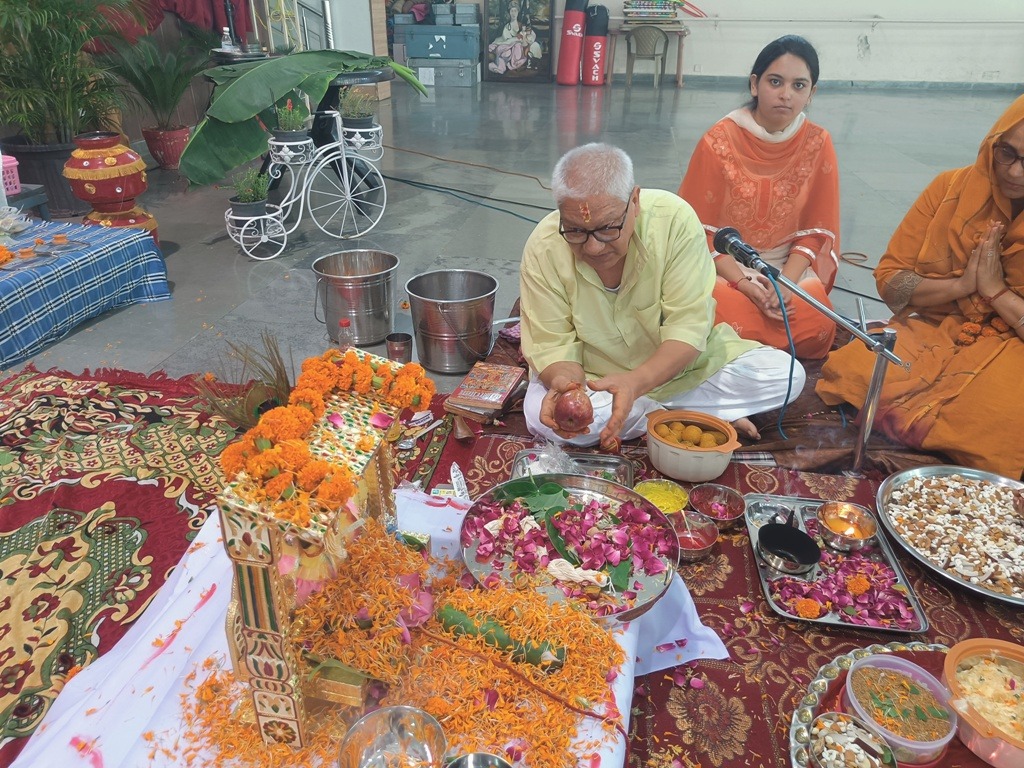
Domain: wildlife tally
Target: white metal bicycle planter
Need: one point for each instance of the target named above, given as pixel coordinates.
(338, 183)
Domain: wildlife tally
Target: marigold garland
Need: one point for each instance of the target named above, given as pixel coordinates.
(279, 469)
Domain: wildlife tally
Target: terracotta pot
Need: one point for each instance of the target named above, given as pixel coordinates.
(166, 146)
(109, 176)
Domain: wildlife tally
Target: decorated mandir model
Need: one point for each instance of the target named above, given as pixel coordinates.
(301, 483)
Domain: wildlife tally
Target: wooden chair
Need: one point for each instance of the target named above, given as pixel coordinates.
(650, 42)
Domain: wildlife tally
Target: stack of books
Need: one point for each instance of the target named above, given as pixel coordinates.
(487, 392)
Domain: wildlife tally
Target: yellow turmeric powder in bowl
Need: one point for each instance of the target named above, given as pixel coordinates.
(666, 495)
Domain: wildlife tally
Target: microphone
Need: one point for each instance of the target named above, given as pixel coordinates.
(728, 240)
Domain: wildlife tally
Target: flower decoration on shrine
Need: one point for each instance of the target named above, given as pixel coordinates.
(275, 465)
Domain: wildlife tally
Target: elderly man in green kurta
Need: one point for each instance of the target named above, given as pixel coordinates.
(616, 293)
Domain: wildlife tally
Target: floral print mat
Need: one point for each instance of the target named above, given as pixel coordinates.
(104, 481)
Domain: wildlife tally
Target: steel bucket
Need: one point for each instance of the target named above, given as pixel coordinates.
(452, 313)
(358, 285)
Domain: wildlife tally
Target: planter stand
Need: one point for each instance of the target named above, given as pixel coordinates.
(338, 182)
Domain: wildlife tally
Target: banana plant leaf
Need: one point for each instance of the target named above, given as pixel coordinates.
(232, 133)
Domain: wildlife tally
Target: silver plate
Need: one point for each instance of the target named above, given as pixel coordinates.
(807, 509)
(808, 709)
(897, 480)
(615, 468)
(584, 489)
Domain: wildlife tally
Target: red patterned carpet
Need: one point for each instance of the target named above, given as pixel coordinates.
(105, 480)
(737, 712)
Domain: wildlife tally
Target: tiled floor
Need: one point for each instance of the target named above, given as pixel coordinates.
(890, 143)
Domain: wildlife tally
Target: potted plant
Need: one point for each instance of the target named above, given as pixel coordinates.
(234, 131)
(52, 89)
(251, 188)
(158, 81)
(357, 108)
(291, 123)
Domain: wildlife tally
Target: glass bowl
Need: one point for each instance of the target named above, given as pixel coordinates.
(719, 502)
(996, 745)
(907, 750)
(393, 737)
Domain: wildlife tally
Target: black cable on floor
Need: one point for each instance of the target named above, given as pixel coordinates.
(449, 191)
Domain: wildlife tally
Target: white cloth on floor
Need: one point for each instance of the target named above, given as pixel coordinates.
(754, 382)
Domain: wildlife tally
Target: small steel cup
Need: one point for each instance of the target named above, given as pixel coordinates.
(399, 347)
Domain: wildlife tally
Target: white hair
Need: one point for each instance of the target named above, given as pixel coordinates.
(590, 170)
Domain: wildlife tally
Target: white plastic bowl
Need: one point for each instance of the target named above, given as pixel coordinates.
(691, 465)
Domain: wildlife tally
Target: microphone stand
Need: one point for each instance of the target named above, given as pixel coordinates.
(881, 344)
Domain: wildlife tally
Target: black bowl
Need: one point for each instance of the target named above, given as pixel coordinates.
(787, 549)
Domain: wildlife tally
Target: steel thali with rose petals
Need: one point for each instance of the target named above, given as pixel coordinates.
(648, 587)
(904, 612)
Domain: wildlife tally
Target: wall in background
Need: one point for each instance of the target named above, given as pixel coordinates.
(946, 41)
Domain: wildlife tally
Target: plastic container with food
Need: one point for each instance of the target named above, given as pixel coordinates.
(902, 703)
(666, 495)
(986, 683)
(690, 446)
(719, 502)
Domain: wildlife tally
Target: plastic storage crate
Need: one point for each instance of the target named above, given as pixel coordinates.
(424, 41)
(12, 184)
(457, 73)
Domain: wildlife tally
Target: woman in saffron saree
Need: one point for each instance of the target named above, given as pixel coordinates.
(953, 274)
(771, 173)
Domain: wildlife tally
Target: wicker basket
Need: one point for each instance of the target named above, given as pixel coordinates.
(12, 184)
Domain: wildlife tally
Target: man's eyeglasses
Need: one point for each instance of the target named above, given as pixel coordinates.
(602, 235)
(1004, 154)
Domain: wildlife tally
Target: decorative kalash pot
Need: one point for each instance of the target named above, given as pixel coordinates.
(109, 176)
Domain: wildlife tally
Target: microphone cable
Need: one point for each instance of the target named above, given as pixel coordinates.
(792, 355)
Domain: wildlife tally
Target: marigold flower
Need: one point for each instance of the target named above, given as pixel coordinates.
(971, 328)
(999, 324)
(965, 339)
(989, 331)
(806, 608)
(857, 584)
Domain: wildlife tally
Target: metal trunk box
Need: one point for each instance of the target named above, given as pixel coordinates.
(438, 73)
(424, 41)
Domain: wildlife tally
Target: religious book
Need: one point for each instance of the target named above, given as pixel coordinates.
(487, 387)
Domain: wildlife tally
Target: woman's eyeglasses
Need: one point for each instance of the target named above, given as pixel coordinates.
(602, 235)
(1004, 154)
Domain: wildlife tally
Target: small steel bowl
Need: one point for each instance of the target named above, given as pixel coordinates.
(695, 542)
(787, 549)
(857, 523)
(719, 502)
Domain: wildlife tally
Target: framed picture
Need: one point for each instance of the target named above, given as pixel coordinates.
(517, 40)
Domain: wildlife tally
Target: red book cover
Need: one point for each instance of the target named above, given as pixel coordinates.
(487, 386)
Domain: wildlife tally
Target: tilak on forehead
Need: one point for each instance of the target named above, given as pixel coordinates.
(585, 212)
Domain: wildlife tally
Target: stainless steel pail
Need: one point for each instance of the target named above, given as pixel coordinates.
(358, 285)
(452, 312)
